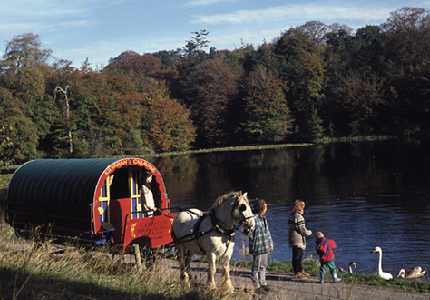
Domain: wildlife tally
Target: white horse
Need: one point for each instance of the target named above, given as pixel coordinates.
(211, 234)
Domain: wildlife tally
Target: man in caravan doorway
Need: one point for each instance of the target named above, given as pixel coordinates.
(147, 197)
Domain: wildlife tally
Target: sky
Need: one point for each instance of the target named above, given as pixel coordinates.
(102, 29)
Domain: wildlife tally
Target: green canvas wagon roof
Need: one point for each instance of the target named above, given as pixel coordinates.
(54, 182)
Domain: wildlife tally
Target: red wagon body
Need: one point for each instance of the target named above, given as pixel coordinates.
(96, 199)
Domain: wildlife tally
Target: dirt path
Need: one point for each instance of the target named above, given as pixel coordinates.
(284, 286)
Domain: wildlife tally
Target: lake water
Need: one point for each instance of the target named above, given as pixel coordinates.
(362, 195)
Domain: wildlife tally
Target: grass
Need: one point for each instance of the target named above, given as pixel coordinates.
(7, 233)
(4, 180)
(406, 285)
(354, 139)
(41, 272)
(35, 271)
(30, 270)
(312, 266)
(232, 148)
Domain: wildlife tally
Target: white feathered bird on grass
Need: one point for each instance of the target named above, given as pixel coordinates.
(381, 273)
(416, 272)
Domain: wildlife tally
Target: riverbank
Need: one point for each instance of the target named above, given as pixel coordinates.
(233, 149)
(50, 271)
(326, 140)
(355, 139)
(312, 266)
(9, 169)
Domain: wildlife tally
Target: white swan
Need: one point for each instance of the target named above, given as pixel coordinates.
(416, 272)
(382, 274)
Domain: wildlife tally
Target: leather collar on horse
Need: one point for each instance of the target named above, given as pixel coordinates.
(197, 233)
(216, 225)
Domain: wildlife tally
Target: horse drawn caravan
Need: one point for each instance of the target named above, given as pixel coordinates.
(95, 199)
(102, 201)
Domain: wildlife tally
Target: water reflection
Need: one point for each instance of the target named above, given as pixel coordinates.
(362, 195)
(181, 174)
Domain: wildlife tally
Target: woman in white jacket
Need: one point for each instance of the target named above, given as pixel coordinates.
(297, 233)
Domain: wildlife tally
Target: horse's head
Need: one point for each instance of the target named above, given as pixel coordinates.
(242, 212)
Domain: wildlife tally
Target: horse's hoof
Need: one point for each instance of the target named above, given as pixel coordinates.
(228, 287)
(186, 284)
(185, 281)
(211, 286)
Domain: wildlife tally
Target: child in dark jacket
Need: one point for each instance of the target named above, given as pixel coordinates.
(325, 249)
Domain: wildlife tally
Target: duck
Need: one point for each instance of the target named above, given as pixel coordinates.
(416, 272)
(382, 274)
(351, 267)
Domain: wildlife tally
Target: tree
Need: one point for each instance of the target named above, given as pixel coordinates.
(30, 83)
(207, 90)
(56, 142)
(196, 45)
(166, 123)
(63, 95)
(86, 66)
(302, 69)
(134, 64)
(407, 33)
(315, 30)
(406, 19)
(17, 130)
(24, 51)
(265, 113)
(6, 145)
(354, 87)
(362, 97)
(407, 110)
(168, 58)
(24, 66)
(407, 50)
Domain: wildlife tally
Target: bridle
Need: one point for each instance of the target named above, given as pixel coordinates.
(240, 208)
(236, 214)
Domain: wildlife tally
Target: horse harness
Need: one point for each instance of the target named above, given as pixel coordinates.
(197, 233)
(216, 226)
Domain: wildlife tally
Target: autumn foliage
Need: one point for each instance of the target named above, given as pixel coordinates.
(313, 81)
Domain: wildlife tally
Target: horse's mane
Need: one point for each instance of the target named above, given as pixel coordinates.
(220, 200)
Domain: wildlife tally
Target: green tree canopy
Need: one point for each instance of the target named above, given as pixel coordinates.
(265, 114)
